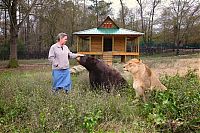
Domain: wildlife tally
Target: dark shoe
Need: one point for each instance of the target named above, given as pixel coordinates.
(66, 92)
(59, 88)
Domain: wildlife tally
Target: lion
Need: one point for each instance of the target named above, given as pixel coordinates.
(143, 78)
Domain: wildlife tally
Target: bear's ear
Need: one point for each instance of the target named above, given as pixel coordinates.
(91, 60)
(140, 60)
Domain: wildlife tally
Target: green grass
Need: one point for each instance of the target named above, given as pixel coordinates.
(28, 105)
(34, 62)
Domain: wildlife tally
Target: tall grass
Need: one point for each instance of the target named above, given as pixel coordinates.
(28, 105)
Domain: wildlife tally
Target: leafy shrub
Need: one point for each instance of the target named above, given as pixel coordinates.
(175, 110)
(90, 120)
(21, 49)
(4, 51)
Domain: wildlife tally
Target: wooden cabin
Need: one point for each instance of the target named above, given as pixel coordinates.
(107, 41)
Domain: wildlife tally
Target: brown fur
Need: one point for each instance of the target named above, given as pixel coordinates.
(102, 75)
(143, 77)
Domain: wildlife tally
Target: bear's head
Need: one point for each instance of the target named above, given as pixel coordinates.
(90, 63)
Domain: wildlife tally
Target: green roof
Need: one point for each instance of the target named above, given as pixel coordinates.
(108, 31)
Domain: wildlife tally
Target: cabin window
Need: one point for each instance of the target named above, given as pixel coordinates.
(107, 25)
(84, 44)
(131, 45)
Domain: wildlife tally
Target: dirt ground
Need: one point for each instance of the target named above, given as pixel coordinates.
(169, 66)
(181, 66)
(162, 66)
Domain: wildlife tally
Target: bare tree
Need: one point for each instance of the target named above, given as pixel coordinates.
(147, 21)
(101, 9)
(12, 6)
(191, 18)
(3, 18)
(151, 22)
(141, 8)
(166, 27)
(180, 10)
(180, 29)
(123, 17)
(96, 9)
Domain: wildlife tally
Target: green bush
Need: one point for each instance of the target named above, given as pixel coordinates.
(21, 49)
(4, 51)
(177, 109)
(90, 120)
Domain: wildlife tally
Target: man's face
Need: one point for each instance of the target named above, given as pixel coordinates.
(63, 40)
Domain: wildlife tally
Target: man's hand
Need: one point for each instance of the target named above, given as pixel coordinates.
(78, 55)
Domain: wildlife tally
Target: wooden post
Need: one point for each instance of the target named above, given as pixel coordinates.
(138, 46)
(102, 43)
(123, 58)
(136, 42)
(113, 43)
(125, 44)
(90, 44)
(77, 44)
(135, 45)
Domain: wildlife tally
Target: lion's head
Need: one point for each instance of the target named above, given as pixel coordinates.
(132, 65)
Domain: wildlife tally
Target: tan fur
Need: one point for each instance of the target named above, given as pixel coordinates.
(143, 78)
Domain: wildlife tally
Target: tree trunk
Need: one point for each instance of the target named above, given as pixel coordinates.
(123, 21)
(13, 44)
(97, 13)
(14, 36)
(5, 20)
(27, 32)
(142, 19)
(12, 6)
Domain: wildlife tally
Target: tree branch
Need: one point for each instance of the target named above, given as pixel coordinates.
(27, 13)
(6, 2)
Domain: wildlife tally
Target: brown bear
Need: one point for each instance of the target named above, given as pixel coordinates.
(102, 75)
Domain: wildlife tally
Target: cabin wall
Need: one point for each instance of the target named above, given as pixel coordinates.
(83, 44)
(119, 44)
(96, 44)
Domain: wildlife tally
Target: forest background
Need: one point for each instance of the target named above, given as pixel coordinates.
(28, 27)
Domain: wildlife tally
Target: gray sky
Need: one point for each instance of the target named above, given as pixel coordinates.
(116, 4)
(129, 3)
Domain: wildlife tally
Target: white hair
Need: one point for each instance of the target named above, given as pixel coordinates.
(60, 36)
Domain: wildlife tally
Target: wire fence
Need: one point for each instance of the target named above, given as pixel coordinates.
(4, 52)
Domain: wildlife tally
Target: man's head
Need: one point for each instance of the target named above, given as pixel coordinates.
(62, 38)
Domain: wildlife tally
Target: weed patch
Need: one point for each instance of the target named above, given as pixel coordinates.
(28, 105)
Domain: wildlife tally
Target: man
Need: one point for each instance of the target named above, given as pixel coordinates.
(59, 55)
